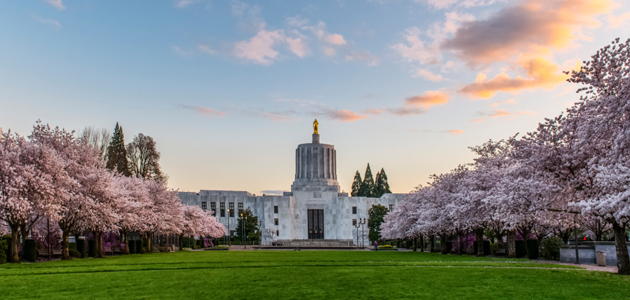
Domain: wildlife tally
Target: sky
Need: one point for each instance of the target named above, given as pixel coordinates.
(228, 89)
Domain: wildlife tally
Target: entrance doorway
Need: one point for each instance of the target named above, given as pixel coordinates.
(315, 224)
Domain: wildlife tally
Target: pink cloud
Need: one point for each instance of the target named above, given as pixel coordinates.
(56, 3)
(428, 99)
(205, 111)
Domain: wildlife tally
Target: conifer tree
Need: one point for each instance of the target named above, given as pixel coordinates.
(367, 186)
(377, 186)
(381, 184)
(117, 153)
(356, 184)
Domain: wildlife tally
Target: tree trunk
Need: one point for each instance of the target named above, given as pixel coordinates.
(460, 247)
(479, 239)
(623, 261)
(65, 253)
(511, 244)
(415, 244)
(432, 243)
(99, 245)
(149, 241)
(15, 238)
(126, 242)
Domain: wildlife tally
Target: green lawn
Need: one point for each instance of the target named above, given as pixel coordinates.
(305, 275)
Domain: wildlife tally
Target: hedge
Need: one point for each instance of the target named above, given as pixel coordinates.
(92, 248)
(30, 250)
(139, 248)
(532, 249)
(4, 246)
(486, 248)
(81, 248)
(550, 248)
(521, 249)
(132, 247)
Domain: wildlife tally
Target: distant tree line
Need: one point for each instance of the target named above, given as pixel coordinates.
(368, 186)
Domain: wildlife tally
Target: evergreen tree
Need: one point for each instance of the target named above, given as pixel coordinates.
(367, 186)
(381, 184)
(377, 186)
(250, 221)
(376, 216)
(356, 184)
(117, 153)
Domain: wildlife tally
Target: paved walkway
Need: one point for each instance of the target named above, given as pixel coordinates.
(611, 269)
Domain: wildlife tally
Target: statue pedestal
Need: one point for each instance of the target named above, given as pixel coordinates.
(315, 138)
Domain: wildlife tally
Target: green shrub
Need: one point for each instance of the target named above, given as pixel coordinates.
(145, 250)
(30, 252)
(4, 246)
(494, 248)
(132, 247)
(72, 246)
(550, 248)
(75, 253)
(92, 248)
(81, 248)
(139, 247)
(196, 246)
(7, 253)
(521, 249)
(532, 249)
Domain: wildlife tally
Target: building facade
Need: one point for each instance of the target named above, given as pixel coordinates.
(315, 209)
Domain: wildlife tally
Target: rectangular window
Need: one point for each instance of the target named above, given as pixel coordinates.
(232, 232)
(204, 205)
(213, 207)
(240, 208)
(391, 207)
(277, 232)
(354, 222)
(275, 209)
(222, 209)
(354, 210)
(275, 221)
(231, 209)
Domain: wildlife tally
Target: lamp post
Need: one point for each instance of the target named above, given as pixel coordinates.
(259, 232)
(228, 233)
(362, 233)
(357, 225)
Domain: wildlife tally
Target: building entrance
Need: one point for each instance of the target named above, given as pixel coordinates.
(315, 224)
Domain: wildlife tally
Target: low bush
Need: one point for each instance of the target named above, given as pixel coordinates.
(72, 246)
(4, 246)
(75, 253)
(494, 248)
(532, 249)
(30, 252)
(550, 248)
(145, 250)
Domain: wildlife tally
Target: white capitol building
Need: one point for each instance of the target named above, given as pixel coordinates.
(314, 210)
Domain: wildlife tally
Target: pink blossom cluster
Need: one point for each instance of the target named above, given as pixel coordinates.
(55, 176)
(572, 170)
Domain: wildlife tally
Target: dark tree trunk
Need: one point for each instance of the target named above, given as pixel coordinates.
(99, 244)
(623, 261)
(479, 239)
(15, 238)
(125, 241)
(511, 244)
(422, 243)
(431, 243)
(460, 247)
(65, 238)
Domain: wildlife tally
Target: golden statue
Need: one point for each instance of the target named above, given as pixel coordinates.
(315, 127)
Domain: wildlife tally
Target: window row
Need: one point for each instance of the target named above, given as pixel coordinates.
(213, 207)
